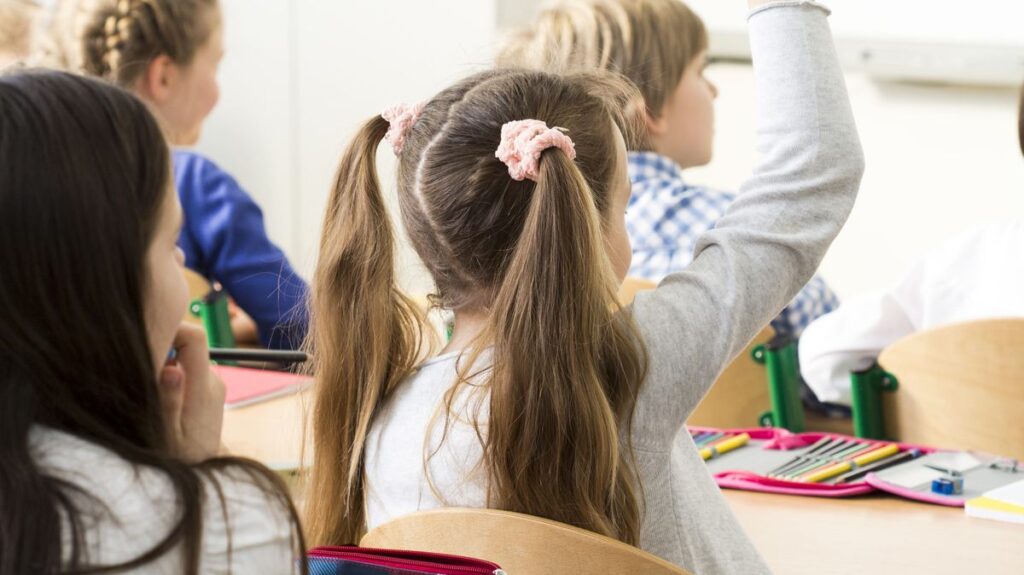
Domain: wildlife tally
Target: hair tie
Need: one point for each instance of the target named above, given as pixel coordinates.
(522, 143)
(402, 118)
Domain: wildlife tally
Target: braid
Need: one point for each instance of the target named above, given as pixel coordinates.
(122, 36)
(116, 32)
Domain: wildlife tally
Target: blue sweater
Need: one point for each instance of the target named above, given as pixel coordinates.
(224, 240)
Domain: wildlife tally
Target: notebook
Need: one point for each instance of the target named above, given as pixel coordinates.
(1004, 503)
(247, 386)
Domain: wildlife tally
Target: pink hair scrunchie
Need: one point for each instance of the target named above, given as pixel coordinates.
(522, 143)
(402, 118)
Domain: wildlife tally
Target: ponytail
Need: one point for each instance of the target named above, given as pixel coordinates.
(370, 334)
(566, 368)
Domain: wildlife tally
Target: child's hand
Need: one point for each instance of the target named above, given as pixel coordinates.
(242, 325)
(192, 397)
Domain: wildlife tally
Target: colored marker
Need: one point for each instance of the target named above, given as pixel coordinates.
(857, 462)
(724, 446)
(878, 466)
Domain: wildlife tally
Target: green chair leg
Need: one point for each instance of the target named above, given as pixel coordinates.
(866, 388)
(779, 357)
(212, 309)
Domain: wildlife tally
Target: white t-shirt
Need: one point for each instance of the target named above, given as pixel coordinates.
(976, 275)
(142, 510)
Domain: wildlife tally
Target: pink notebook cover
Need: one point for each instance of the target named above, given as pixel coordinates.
(246, 386)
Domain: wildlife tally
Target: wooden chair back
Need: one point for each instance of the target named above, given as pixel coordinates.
(960, 386)
(520, 544)
(740, 395)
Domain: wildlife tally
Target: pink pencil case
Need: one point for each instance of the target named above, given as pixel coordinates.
(751, 467)
(365, 561)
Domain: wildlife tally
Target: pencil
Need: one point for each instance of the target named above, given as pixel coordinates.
(267, 355)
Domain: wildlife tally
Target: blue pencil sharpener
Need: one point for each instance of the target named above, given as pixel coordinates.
(950, 485)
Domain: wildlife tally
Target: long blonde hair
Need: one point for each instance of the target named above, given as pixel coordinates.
(651, 42)
(566, 366)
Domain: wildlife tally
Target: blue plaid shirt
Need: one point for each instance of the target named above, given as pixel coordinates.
(666, 216)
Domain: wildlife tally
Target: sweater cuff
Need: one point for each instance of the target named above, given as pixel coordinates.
(784, 3)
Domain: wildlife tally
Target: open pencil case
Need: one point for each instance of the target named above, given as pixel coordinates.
(816, 464)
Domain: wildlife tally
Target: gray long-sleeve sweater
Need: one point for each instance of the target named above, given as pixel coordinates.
(744, 271)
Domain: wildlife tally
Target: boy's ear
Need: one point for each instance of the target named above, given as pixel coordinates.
(158, 80)
(656, 126)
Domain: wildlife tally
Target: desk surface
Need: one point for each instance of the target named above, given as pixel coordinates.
(875, 534)
(870, 534)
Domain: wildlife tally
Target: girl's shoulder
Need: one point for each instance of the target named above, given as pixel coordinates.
(126, 509)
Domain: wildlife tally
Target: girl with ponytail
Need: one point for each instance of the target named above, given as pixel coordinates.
(550, 399)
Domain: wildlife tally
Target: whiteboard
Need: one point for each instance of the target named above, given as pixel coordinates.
(965, 41)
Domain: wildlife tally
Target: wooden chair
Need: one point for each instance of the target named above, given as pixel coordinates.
(960, 386)
(740, 395)
(521, 544)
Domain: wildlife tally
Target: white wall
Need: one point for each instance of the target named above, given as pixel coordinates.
(300, 76)
(939, 159)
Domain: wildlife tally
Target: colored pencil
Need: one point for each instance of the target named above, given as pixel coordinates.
(709, 438)
(823, 457)
(844, 466)
(854, 449)
(820, 445)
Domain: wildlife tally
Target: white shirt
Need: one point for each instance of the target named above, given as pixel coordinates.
(143, 510)
(976, 275)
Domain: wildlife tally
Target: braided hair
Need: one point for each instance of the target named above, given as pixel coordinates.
(119, 38)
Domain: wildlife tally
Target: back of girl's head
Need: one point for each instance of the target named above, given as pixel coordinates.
(463, 212)
(651, 42)
(117, 39)
(528, 254)
(84, 179)
(85, 171)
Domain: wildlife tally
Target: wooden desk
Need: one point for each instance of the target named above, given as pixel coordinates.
(875, 534)
(797, 535)
(270, 432)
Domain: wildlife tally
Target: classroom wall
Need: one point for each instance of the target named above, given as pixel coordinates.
(301, 74)
(939, 159)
